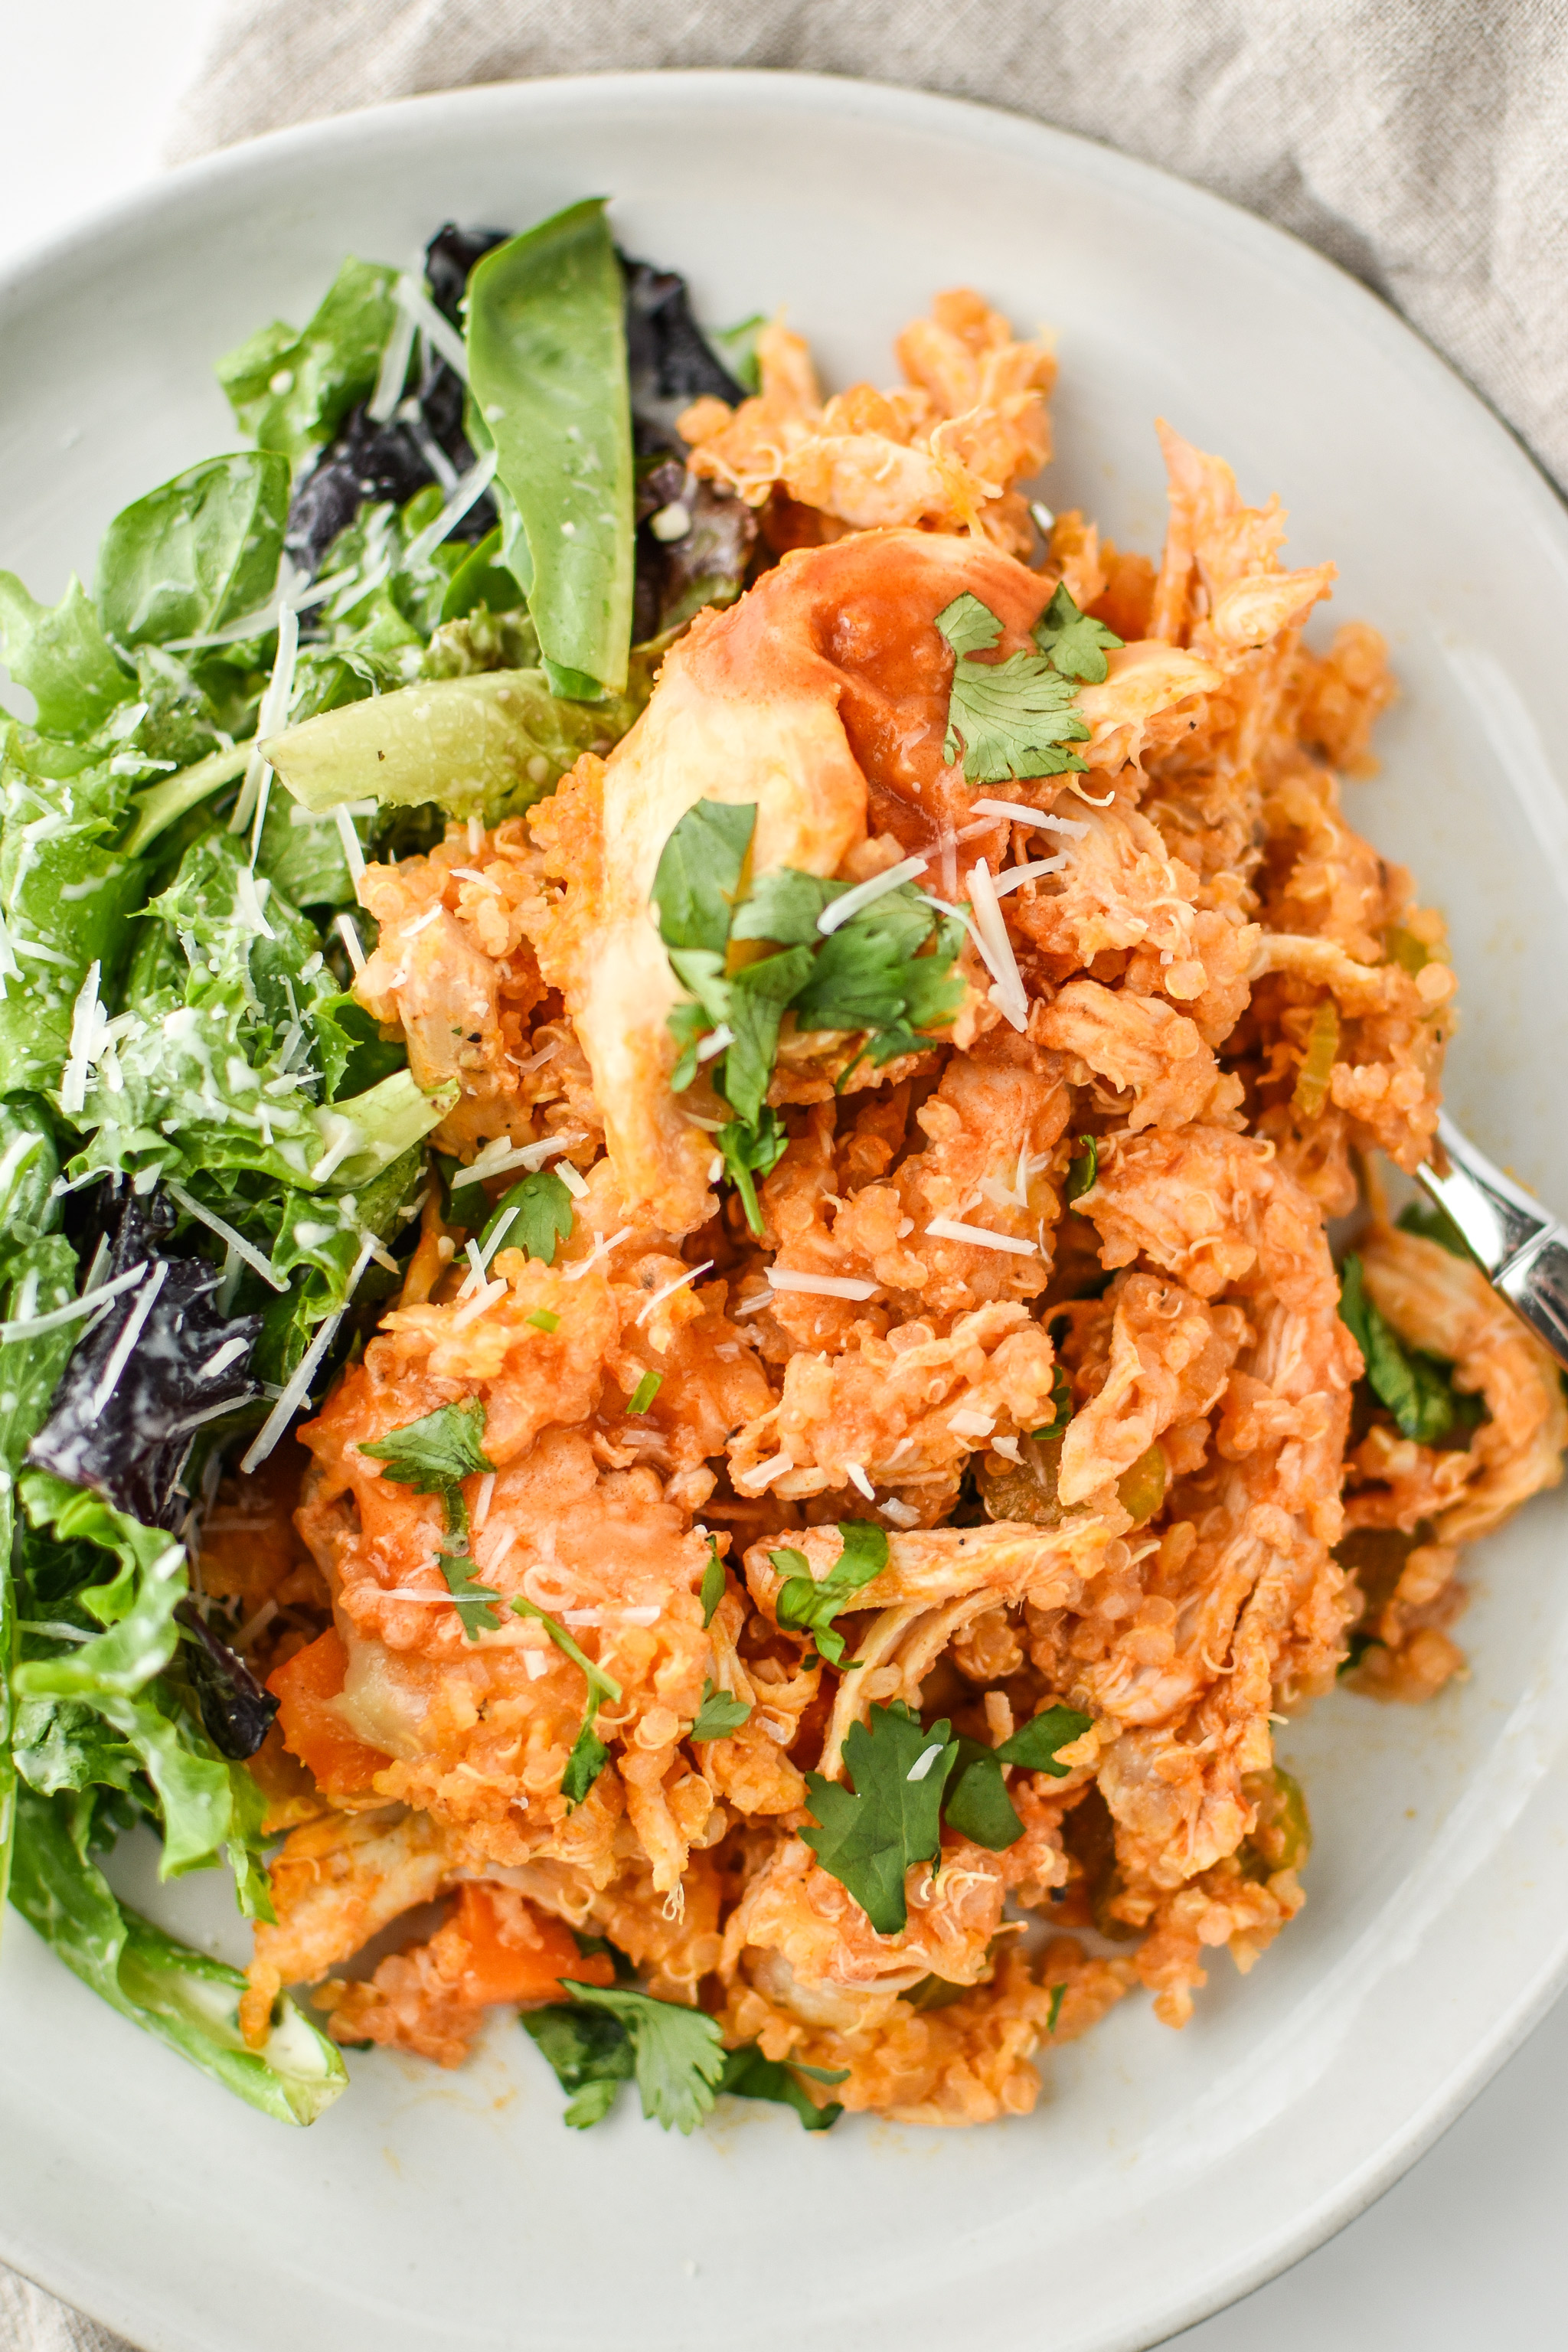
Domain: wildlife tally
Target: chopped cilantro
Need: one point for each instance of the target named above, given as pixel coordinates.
(1058, 1994)
(589, 1755)
(1009, 720)
(677, 2054)
(784, 906)
(434, 1455)
(476, 1604)
(698, 878)
(647, 1388)
(438, 1451)
(749, 2075)
(1035, 1747)
(867, 1836)
(542, 1319)
(713, 1582)
(537, 1213)
(750, 1149)
(718, 1714)
(1083, 1168)
(590, 2052)
(872, 975)
(1062, 1408)
(1416, 1387)
(588, 1758)
(758, 995)
(807, 1605)
(1431, 1223)
(978, 1806)
(1076, 643)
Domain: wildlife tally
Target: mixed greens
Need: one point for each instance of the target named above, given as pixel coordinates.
(433, 557)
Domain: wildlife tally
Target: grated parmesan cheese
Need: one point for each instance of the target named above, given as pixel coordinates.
(497, 1158)
(436, 329)
(354, 855)
(1012, 876)
(1022, 814)
(468, 492)
(757, 1478)
(991, 936)
(298, 1388)
(479, 1305)
(953, 1229)
(857, 1478)
(902, 1514)
(968, 1424)
(820, 1286)
(599, 1250)
(120, 1354)
(865, 894)
(348, 931)
(91, 1301)
(669, 1289)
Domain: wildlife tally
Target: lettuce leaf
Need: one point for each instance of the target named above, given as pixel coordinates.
(187, 2000)
(62, 658)
(196, 552)
(291, 389)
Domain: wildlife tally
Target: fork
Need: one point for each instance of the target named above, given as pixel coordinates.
(1522, 1252)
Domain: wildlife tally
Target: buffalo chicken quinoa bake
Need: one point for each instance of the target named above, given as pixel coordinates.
(796, 1583)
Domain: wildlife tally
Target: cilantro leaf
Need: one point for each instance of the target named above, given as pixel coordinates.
(1083, 1168)
(590, 2054)
(677, 2054)
(1415, 1387)
(757, 994)
(1009, 719)
(718, 1714)
(749, 2075)
(535, 1214)
(1076, 643)
(698, 878)
(713, 1582)
(784, 905)
(1034, 1745)
(751, 1148)
(589, 1754)
(476, 1604)
(1062, 1408)
(588, 1758)
(438, 1453)
(807, 1605)
(867, 1837)
(977, 1804)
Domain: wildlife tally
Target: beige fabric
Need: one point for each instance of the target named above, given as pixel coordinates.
(1423, 144)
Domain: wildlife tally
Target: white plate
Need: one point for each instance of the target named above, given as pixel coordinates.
(1162, 2174)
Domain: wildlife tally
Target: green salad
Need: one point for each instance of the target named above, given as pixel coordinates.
(212, 1162)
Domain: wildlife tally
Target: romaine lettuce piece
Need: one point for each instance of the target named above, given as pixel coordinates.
(187, 2000)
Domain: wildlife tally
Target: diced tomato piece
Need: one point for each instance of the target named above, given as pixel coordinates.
(497, 1971)
(313, 1731)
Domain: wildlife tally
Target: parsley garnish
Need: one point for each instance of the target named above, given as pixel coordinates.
(678, 2055)
(535, 1214)
(872, 975)
(1416, 1389)
(749, 2075)
(868, 1836)
(713, 1582)
(1083, 1168)
(805, 1605)
(647, 1388)
(718, 1714)
(589, 1755)
(1075, 643)
(434, 1456)
(1034, 1745)
(1009, 720)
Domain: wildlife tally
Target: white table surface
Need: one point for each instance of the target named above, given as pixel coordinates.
(1464, 2242)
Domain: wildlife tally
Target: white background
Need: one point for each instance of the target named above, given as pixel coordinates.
(1466, 2247)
